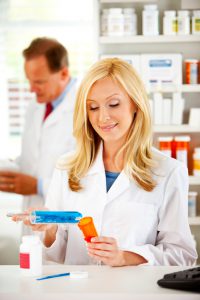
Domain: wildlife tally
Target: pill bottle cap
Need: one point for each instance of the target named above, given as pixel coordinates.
(183, 13)
(150, 7)
(30, 239)
(165, 138)
(115, 10)
(78, 274)
(170, 13)
(129, 10)
(182, 138)
(191, 60)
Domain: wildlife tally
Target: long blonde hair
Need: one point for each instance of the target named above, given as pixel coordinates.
(137, 149)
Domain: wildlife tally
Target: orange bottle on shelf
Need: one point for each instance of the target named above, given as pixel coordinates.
(165, 144)
(196, 162)
(182, 148)
(86, 225)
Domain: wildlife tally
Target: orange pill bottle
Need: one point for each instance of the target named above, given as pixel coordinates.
(86, 225)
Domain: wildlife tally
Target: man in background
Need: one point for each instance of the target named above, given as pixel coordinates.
(48, 125)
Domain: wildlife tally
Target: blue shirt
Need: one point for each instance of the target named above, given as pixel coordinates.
(55, 104)
(60, 98)
(110, 179)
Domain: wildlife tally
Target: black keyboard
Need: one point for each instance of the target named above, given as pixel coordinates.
(188, 280)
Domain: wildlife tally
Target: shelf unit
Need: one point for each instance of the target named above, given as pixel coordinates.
(128, 1)
(184, 88)
(141, 39)
(194, 180)
(188, 45)
(194, 221)
(184, 128)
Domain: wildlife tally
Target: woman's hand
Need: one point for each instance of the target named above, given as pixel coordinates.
(105, 249)
(49, 229)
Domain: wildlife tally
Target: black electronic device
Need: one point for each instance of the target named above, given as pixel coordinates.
(188, 280)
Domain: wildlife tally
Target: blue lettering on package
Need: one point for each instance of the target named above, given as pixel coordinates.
(160, 63)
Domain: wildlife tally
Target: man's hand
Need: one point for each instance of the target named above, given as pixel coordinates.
(19, 183)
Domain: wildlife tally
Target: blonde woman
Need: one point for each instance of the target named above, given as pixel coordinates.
(136, 195)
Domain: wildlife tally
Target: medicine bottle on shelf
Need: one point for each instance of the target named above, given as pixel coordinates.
(115, 22)
(130, 21)
(192, 207)
(182, 148)
(196, 162)
(165, 145)
(30, 256)
(196, 22)
(191, 71)
(183, 22)
(104, 22)
(150, 20)
(170, 22)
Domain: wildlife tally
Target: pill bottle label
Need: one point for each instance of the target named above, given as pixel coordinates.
(24, 259)
(197, 25)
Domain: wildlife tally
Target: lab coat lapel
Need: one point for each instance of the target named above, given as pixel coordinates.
(38, 119)
(66, 105)
(119, 186)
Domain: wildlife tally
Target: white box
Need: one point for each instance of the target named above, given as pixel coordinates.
(157, 108)
(162, 70)
(167, 111)
(177, 109)
(134, 60)
(194, 117)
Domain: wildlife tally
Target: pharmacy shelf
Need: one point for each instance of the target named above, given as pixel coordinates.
(194, 180)
(128, 1)
(194, 221)
(184, 88)
(175, 128)
(140, 39)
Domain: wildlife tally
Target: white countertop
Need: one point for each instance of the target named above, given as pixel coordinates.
(103, 282)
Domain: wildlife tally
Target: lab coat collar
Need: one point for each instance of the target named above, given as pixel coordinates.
(66, 105)
(98, 165)
(119, 186)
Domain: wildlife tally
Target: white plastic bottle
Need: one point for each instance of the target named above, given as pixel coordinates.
(30, 256)
(182, 148)
(183, 22)
(130, 21)
(115, 22)
(196, 22)
(169, 22)
(104, 22)
(150, 20)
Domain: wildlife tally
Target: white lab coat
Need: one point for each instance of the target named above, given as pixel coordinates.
(44, 143)
(152, 224)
